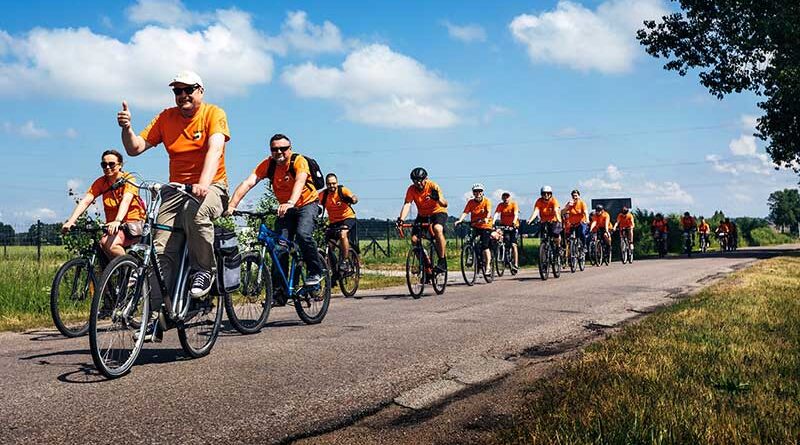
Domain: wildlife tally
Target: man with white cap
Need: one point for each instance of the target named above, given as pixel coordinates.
(194, 134)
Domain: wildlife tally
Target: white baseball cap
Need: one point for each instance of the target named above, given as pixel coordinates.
(187, 77)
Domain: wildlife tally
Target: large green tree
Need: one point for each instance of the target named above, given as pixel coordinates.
(740, 45)
(784, 208)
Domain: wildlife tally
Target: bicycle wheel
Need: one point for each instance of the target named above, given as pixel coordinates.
(415, 272)
(439, 282)
(623, 251)
(499, 259)
(71, 297)
(606, 254)
(199, 331)
(469, 264)
(556, 262)
(573, 255)
(581, 256)
(544, 258)
(119, 314)
(311, 302)
(487, 269)
(248, 308)
(350, 276)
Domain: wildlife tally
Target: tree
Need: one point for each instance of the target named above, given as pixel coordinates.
(6, 232)
(740, 45)
(784, 208)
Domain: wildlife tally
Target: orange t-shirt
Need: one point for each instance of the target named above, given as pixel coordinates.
(337, 209)
(477, 211)
(547, 209)
(724, 228)
(576, 213)
(601, 220)
(625, 221)
(284, 183)
(186, 141)
(703, 228)
(508, 213)
(660, 226)
(422, 198)
(688, 223)
(113, 198)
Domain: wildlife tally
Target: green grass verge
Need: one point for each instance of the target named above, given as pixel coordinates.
(718, 368)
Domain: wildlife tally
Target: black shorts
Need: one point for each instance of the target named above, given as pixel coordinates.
(334, 228)
(510, 235)
(553, 228)
(436, 218)
(484, 235)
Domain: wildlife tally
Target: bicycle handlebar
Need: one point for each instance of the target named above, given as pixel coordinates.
(249, 213)
(405, 225)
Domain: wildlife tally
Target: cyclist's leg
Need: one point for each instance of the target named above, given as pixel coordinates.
(485, 237)
(304, 238)
(199, 226)
(346, 225)
(112, 245)
(169, 245)
(514, 249)
(438, 220)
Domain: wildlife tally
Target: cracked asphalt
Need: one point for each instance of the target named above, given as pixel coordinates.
(294, 381)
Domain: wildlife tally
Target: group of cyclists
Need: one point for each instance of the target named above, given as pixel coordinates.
(194, 134)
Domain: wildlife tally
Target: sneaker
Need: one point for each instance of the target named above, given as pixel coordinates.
(201, 284)
(313, 280)
(132, 280)
(441, 265)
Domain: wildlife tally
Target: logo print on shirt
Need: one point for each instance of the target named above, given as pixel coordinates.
(198, 134)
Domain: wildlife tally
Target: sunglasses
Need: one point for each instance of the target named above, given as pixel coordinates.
(105, 165)
(188, 90)
(281, 149)
(475, 192)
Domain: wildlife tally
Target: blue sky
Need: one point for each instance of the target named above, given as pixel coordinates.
(515, 95)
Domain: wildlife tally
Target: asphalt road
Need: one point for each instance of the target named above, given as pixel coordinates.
(293, 381)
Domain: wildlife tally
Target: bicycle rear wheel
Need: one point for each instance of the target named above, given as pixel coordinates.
(350, 276)
(573, 256)
(248, 308)
(119, 314)
(71, 297)
(469, 264)
(311, 302)
(556, 261)
(544, 259)
(415, 272)
(439, 282)
(581, 256)
(199, 331)
(499, 259)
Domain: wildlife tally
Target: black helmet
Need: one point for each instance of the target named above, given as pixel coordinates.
(599, 208)
(658, 215)
(418, 174)
(686, 214)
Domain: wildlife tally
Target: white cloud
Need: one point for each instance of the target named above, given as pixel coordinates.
(610, 181)
(71, 133)
(749, 122)
(228, 53)
(466, 33)
(744, 146)
(299, 34)
(165, 12)
(647, 194)
(74, 184)
(566, 132)
(378, 86)
(757, 163)
(613, 172)
(574, 36)
(43, 213)
(27, 130)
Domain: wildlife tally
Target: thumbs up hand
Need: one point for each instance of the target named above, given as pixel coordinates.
(124, 116)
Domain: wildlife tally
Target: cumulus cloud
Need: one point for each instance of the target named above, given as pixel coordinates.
(27, 130)
(749, 122)
(71, 133)
(574, 36)
(298, 33)
(227, 52)
(380, 87)
(465, 33)
(743, 146)
(646, 194)
(74, 184)
(606, 182)
(745, 155)
(45, 214)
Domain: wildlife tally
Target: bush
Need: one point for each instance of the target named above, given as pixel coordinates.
(766, 236)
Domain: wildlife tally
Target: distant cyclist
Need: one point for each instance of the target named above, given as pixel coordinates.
(688, 225)
(577, 216)
(507, 212)
(601, 225)
(338, 201)
(660, 228)
(549, 212)
(724, 234)
(703, 230)
(625, 224)
(479, 210)
(431, 208)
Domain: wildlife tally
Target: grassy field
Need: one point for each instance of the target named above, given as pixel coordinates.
(718, 368)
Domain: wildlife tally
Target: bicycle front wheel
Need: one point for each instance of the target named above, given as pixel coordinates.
(119, 314)
(556, 261)
(71, 297)
(499, 259)
(469, 264)
(415, 272)
(199, 331)
(351, 273)
(573, 256)
(248, 308)
(311, 302)
(544, 260)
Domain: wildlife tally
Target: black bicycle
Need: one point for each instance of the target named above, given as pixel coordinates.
(473, 261)
(625, 249)
(576, 253)
(549, 254)
(704, 242)
(688, 242)
(660, 239)
(345, 269)
(503, 255)
(75, 283)
(419, 265)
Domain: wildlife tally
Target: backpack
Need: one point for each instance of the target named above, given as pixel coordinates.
(316, 177)
(229, 261)
(338, 193)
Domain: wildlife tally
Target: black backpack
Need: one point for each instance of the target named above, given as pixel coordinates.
(338, 193)
(316, 177)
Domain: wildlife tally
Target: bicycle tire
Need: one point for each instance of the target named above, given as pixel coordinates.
(348, 283)
(415, 272)
(499, 259)
(488, 277)
(199, 332)
(248, 309)
(556, 263)
(311, 304)
(469, 264)
(439, 282)
(110, 286)
(79, 299)
(573, 256)
(544, 258)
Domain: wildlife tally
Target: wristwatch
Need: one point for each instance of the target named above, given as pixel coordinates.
(290, 202)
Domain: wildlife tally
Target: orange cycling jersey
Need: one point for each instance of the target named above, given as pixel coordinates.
(508, 213)
(113, 198)
(576, 212)
(602, 220)
(283, 182)
(547, 209)
(337, 209)
(660, 226)
(479, 213)
(724, 228)
(625, 220)
(703, 228)
(422, 198)
(688, 223)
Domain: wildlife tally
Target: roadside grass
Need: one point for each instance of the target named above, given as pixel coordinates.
(378, 281)
(720, 367)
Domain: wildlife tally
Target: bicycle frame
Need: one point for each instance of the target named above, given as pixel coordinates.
(268, 239)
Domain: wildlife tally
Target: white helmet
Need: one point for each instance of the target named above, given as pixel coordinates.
(546, 189)
(477, 186)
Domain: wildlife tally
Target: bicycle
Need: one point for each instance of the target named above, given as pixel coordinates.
(704, 242)
(549, 254)
(660, 239)
(625, 249)
(249, 309)
(724, 241)
(75, 283)
(419, 267)
(688, 242)
(346, 270)
(129, 281)
(503, 255)
(473, 261)
(576, 253)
